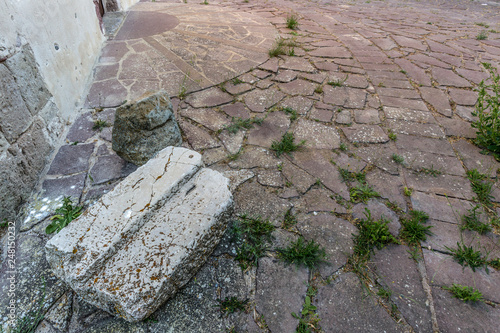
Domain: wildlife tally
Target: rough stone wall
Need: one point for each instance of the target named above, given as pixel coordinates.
(30, 125)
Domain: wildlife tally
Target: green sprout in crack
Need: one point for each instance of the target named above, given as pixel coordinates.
(430, 171)
(372, 234)
(471, 221)
(291, 112)
(398, 158)
(239, 123)
(468, 256)
(253, 236)
(292, 22)
(64, 215)
(338, 82)
(350, 176)
(99, 124)
(481, 186)
(289, 219)
(286, 145)
(303, 253)
(413, 229)
(465, 293)
(232, 304)
(361, 193)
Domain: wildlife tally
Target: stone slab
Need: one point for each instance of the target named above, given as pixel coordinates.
(123, 257)
(344, 306)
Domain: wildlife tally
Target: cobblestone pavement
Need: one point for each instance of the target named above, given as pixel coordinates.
(384, 89)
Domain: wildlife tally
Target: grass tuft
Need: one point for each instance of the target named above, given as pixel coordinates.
(286, 145)
(232, 304)
(99, 124)
(289, 220)
(303, 253)
(481, 186)
(472, 221)
(482, 35)
(253, 235)
(464, 293)
(292, 22)
(291, 112)
(414, 231)
(467, 256)
(372, 234)
(64, 215)
(238, 124)
(350, 176)
(361, 193)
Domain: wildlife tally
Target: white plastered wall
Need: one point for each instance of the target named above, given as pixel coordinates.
(126, 4)
(65, 37)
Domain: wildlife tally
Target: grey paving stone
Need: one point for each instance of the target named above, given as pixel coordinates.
(316, 135)
(473, 159)
(388, 186)
(209, 98)
(439, 207)
(319, 200)
(457, 127)
(366, 116)
(280, 291)
(454, 315)
(410, 128)
(297, 177)
(270, 178)
(317, 163)
(408, 115)
(209, 118)
(429, 145)
(446, 185)
(198, 137)
(343, 306)
(81, 130)
(256, 200)
(443, 270)
(109, 168)
(397, 272)
(272, 129)
(252, 157)
(418, 160)
(365, 134)
(71, 159)
(379, 155)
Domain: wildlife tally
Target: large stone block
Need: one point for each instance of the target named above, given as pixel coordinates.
(24, 67)
(15, 117)
(141, 242)
(144, 127)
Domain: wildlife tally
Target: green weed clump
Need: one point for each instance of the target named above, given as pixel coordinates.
(286, 145)
(487, 111)
(99, 124)
(350, 176)
(64, 215)
(291, 112)
(372, 234)
(281, 47)
(414, 231)
(303, 253)
(472, 221)
(308, 319)
(362, 193)
(464, 293)
(238, 124)
(289, 220)
(254, 236)
(481, 186)
(467, 256)
(232, 304)
(292, 22)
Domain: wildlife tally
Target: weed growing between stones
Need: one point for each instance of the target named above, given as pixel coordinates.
(430, 171)
(253, 236)
(467, 256)
(338, 82)
(99, 125)
(398, 158)
(236, 81)
(303, 253)
(234, 157)
(482, 35)
(482, 24)
(472, 221)
(318, 89)
(281, 47)
(291, 112)
(495, 263)
(64, 215)
(464, 293)
(408, 191)
(414, 231)
(238, 124)
(232, 304)
(487, 111)
(372, 234)
(350, 176)
(392, 136)
(292, 22)
(286, 145)
(308, 319)
(182, 88)
(384, 293)
(481, 186)
(361, 193)
(343, 146)
(289, 220)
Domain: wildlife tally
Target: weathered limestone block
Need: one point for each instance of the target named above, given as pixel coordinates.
(141, 242)
(144, 127)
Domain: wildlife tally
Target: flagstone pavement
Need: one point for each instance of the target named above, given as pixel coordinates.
(362, 82)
